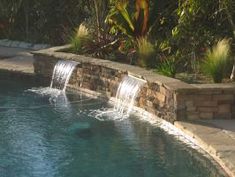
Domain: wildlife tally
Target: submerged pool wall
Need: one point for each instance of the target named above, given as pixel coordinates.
(168, 98)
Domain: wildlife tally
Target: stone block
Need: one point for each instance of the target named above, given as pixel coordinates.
(231, 102)
(8, 43)
(192, 108)
(3, 41)
(39, 46)
(206, 103)
(192, 115)
(149, 92)
(95, 70)
(201, 98)
(180, 105)
(206, 115)
(149, 103)
(160, 97)
(207, 109)
(163, 90)
(189, 104)
(156, 101)
(181, 115)
(169, 99)
(223, 116)
(223, 97)
(154, 86)
(159, 105)
(142, 102)
(224, 108)
(25, 45)
(15, 43)
(151, 110)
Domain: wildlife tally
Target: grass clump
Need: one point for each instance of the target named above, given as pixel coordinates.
(167, 67)
(80, 38)
(146, 52)
(217, 61)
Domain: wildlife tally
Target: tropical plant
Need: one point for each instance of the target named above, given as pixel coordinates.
(122, 18)
(217, 62)
(146, 52)
(167, 67)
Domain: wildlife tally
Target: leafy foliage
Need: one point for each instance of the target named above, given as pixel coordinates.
(200, 24)
(85, 42)
(48, 21)
(122, 18)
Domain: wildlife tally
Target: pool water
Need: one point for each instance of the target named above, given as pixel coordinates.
(41, 137)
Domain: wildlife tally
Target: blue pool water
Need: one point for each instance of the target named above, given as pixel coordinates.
(43, 138)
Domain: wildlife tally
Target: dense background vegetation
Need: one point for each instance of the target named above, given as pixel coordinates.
(161, 34)
(47, 21)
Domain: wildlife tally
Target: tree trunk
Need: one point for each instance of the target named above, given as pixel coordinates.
(97, 12)
(26, 13)
(232, 76)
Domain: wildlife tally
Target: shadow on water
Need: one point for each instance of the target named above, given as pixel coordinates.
(81, 130)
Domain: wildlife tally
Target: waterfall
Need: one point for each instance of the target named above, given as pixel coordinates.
(61, 74)
(127, 91)
(125, 98)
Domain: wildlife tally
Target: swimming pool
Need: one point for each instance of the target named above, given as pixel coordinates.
(40, 136)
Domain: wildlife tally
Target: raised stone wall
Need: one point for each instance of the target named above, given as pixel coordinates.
(165, 97)
(208, 101)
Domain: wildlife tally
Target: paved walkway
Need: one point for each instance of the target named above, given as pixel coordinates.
(16, 59)
(217, 137)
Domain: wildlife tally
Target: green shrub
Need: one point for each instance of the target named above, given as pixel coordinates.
(76, 44)
(146, 53)
(167, 67)
(217, 61)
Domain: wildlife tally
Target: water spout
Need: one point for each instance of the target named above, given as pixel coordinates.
(123, 104)
(126, 94)
(61, 74)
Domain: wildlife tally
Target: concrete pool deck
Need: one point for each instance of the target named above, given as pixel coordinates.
(217, 137)
(16, 60)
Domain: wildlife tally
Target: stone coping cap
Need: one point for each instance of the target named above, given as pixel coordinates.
(216, 137)
(215, 86)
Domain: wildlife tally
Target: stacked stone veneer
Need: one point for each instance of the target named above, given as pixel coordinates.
(165, 97)
(207, 101)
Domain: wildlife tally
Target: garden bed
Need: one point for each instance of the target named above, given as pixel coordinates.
(188, 77)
